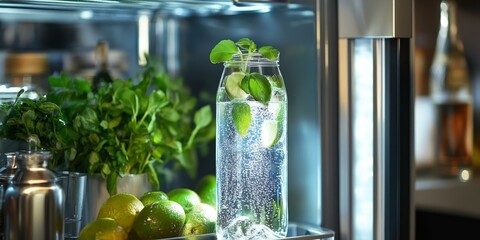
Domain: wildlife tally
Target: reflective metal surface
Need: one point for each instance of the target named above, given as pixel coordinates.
(34, 203)
(8, 168)
(376, 116)
(375, 18)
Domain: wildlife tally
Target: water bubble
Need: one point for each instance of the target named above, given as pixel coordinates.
(278, 95)
(243, 228)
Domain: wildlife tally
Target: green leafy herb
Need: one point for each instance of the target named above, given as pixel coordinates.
(131, 128)
(269, 52)
(202, 118)
(241, 117)
(41, 124)
(260, 87)
(244, 84)
(247, 45)
(223, 51)
(276, 81)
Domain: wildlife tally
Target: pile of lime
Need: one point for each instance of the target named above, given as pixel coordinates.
(155, 215)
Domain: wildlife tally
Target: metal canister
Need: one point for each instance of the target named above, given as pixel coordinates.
(34, 203)
(7, 171)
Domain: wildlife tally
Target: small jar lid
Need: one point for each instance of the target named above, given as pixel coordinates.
(26, 63)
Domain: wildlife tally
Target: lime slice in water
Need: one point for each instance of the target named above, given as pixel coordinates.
(233, 85)
(274, 108)
(269, 133)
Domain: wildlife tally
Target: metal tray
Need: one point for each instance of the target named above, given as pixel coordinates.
(295, 231)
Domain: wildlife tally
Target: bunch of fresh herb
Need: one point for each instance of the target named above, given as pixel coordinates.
(129, 128)
(40, 123)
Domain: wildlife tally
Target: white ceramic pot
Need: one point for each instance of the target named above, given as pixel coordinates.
(97, 194)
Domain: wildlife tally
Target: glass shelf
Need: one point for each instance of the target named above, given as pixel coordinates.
(295, 232)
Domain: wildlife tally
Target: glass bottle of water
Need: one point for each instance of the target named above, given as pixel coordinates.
(251, 150)
(451, 93)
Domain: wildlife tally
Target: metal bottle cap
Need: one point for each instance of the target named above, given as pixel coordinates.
(37, 160)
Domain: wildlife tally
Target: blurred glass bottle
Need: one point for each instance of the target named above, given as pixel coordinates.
(102, 75)
(451, 93)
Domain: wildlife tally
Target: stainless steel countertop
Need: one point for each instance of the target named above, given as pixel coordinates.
(449, 196)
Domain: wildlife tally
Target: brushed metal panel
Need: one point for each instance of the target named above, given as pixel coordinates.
(375, 18)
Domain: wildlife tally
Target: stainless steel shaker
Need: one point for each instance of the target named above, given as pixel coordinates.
(7, 171)
(34, 203)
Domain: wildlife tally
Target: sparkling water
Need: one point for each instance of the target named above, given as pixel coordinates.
(252, 170)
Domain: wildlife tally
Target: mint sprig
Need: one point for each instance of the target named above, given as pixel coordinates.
(253, 83)
(225, 49)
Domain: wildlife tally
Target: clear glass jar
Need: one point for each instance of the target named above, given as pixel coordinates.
(451, 93)
(251, 150)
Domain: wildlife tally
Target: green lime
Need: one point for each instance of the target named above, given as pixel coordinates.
(152, 197)
(269, 133)
(162, 219)
(233, 85)
(103, 229)
(202, 219)
(123, 208)
(207, 190)
(187, 198)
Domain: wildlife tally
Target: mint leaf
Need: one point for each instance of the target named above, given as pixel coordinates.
(241, 118)
(82, 86)
(276, 81)
(203, 117)
(247, 44)
(269, 52)
(244, 83)
(259, 87)
(223, 51)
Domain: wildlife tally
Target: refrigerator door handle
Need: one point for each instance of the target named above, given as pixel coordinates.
(376, 163)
